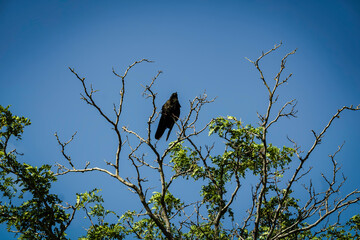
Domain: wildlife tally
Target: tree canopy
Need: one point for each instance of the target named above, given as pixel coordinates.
(32, 211)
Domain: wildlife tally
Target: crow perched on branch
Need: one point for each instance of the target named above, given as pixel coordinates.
(170, 113)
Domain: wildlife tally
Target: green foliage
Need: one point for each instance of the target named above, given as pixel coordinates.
(204, 231)
(27, 206)
(348, 231)
(245, 148)
(13, 125)
(146, 228)
(285, 219)
(92, 203)
(185, 162)
(173, 204)
(244, 152)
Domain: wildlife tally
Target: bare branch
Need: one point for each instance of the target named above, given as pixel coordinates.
(291, 113)
(320, 136)
(63, 145)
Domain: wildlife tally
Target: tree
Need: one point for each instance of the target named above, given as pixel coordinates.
(274, 211)
(40, 216)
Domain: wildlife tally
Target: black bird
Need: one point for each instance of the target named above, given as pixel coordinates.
(170, 113)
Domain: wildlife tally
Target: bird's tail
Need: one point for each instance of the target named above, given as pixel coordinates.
(161, 129)
(167, 137)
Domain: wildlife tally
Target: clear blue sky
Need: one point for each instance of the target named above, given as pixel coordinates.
(199, 45)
